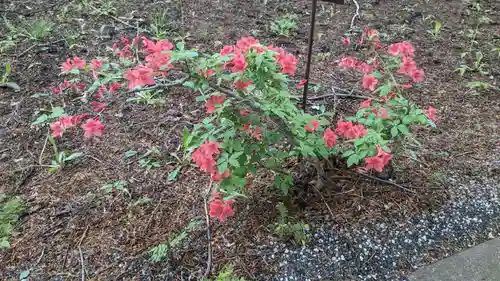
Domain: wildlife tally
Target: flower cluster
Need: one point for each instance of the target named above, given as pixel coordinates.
(91, 128)
(219, 208)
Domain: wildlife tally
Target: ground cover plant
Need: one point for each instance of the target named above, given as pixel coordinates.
(171, 141)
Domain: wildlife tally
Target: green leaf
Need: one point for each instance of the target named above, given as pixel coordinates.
(57, 112)
(41, 119)
(403, 129)
(234, 162)
(4, 243)
(407, 119)
(394, 131)
(385, 90)
(348, 153)
(11, 85)
(130, 153)
(73, 156)
(189, 84)
(173, 175)
(353, 159)
(201, 98)
(377, 75)
(24, 274)
(180, 46)
(222, 167)
(359, 141)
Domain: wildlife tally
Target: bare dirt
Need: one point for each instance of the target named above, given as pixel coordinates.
(70, 219)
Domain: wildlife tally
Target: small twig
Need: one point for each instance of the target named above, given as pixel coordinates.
(38, 45)
(43, 149)
(40, 257)
(81, 254)
(152, 214)
(338, 95)
(386, 181)
(355, 15)
(209, 235)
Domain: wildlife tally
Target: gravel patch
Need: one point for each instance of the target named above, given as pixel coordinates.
(388, 251)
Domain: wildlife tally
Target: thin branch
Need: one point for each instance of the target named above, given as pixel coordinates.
(209, 235)
(38, 45)
(356, 14)
(43, 149)
(387, 182)
(338, 95)
(81, 254)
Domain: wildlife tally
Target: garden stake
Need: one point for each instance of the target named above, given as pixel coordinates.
(309, 48)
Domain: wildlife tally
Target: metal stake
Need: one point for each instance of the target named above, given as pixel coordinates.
(309, 54)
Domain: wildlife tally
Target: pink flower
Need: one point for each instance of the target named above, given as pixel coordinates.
(125, 53)
(96, 64)
(239, 63)
(346, 41)
(379, 161)
(257, 133)
(115, 86)
(242, 86)
(431, 113)
(152, 47)
(355, 132)
(220, 209)
(314, 128)
(67, 65)
(330, 138)
(203, 156)
(98, 106)
(288, 64)
(302, 83)
(348, 62)
(56, 90)
(245, 42)
(343, 127)
(217, 177)
(93, 127)
(66, 83)
(78, 63)
(212, 101)
(226, 50)
(57, 129)
(383, 112)
(243, 113)
(158, 61)
(417, 75)
(369, 82)
(125, 41)
(365, 68)
(408, 65)
(366, 103)
(71, 121)
(402, 48)
(209, 73)
(139, 76)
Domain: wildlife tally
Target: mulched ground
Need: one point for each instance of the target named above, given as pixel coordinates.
(69, 211)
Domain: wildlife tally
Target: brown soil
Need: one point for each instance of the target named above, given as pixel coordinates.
(69, 213)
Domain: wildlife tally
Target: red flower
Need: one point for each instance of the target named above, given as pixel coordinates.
(288, 64)
(93, 127)
(66, 83)
(226, 50)
(220, 209)
(57, 129)
(242, 86)
(417, 75)
(115, 86)
(343, 127)
(346, 41)
(355, 132)
(408, 65)
(203, 156)
(314, 128)
(239, 63)
(379, 161)
(71, 121)
(78, 63)
(139, 76)
(369, 82)
(217, 177)
(366, 103)
(348, 62)
(56, 90)
(212, 101)
(244, 113)
(209, 72)
(96, 64)
(403, 48)
(365, 68)
(152, 47)
(431, 113)
(125, 53)
(330, 138)
(67, 65)
(245, 42)
(257, 133)
(125, 41)
(98, 106)
(302, 83)
(158, 61)
(383, 112)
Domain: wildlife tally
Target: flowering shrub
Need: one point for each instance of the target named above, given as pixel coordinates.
(252, 120)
